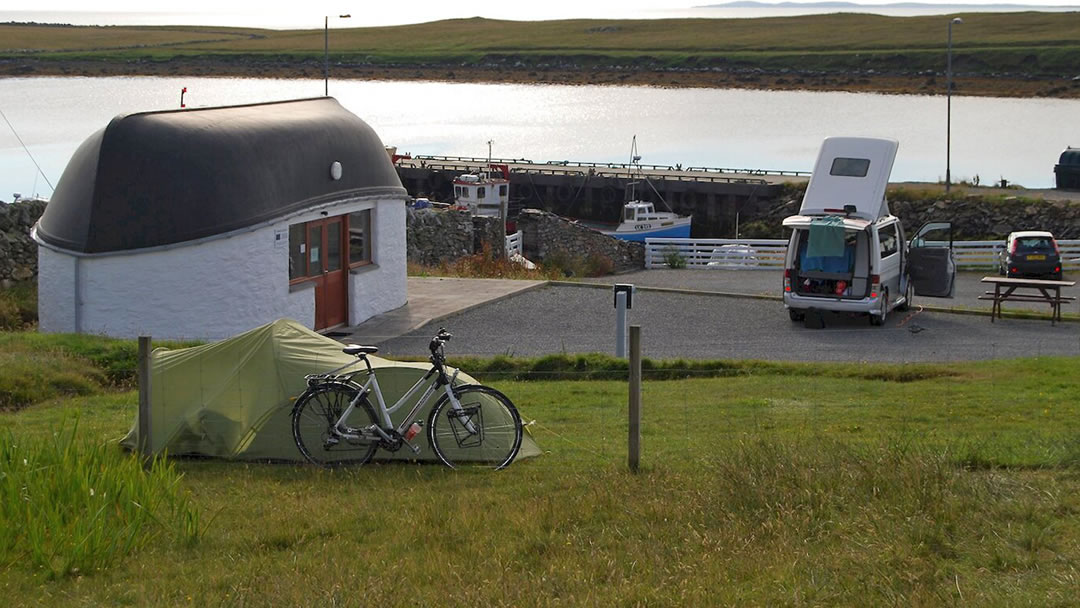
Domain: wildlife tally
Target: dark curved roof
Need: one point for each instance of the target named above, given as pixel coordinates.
(158, 178)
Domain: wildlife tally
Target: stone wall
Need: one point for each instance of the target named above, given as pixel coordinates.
(989, 220)
(443, 235)
(546, 236)
(18, 252)
(489, 232)
(434, 236)
(974, 218)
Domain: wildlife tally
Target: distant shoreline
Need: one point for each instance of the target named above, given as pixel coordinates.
(779, 80)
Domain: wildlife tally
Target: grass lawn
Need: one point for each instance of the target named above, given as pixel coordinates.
(779, 484)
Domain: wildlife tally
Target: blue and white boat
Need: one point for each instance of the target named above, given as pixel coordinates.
(640, 219)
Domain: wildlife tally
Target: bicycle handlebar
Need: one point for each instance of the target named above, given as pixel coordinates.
(440, 338)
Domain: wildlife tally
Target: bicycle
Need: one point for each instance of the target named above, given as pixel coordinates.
(334, 422)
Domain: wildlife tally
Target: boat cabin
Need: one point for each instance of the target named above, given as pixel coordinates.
(482, 194)
(641, 211)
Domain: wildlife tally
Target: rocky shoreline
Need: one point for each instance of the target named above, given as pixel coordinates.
(862, 81)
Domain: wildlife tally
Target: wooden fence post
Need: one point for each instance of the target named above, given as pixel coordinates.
(145, 448)
(634, 442)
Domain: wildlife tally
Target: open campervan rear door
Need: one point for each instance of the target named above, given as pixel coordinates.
(930, 263)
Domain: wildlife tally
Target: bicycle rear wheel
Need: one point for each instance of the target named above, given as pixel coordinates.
(485, 432)
(313, 419)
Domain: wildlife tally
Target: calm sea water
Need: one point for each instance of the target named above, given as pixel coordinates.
(1016, 139)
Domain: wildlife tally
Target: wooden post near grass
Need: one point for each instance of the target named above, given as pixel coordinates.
(144, 398)
(634, 443)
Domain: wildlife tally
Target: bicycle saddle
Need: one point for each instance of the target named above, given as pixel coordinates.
(353, 349)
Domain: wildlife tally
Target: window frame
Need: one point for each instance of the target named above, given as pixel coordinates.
(843, 166)
(890, 229)
(369, 241)
(346, 222)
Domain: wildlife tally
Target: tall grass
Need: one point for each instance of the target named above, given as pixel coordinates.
(18, 306)
(37, 367)
(69, 506)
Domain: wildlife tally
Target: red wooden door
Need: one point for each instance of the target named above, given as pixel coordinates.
(327, 264)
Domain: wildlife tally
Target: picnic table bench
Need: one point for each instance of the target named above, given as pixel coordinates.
(1036, 290)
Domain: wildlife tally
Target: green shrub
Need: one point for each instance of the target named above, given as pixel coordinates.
(70, 507)
(599, 265)
(673, 258)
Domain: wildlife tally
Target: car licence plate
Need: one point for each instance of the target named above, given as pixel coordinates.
(1032, 258)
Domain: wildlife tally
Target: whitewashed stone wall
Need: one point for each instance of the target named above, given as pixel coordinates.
(212, 289)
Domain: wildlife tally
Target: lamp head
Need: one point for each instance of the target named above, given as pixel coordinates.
(957, 20)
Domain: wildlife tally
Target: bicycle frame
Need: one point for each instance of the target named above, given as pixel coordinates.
(384, 412)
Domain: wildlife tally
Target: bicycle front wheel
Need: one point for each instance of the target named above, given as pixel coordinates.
(313, 420)
(482, 430)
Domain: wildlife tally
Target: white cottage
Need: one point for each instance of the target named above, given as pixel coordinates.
(203, 223)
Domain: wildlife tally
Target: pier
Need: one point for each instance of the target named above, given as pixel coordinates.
(715, 197)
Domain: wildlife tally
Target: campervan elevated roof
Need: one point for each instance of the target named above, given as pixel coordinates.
(851, 171)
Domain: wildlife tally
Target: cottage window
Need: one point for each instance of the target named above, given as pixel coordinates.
(297, 249)
(321, 246)
(360, 238)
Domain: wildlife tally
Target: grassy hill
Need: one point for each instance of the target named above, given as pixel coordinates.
(1028, 44)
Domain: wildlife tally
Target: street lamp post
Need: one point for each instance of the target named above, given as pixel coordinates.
(326, 52)
(948, 104)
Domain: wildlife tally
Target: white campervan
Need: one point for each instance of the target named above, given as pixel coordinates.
(847, 253)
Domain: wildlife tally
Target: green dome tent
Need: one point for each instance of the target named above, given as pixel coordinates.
(233, 399)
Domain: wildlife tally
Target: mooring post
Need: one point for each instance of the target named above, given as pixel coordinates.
(144, 398)
(634, 442)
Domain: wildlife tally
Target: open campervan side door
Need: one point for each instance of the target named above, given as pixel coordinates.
(930, 265)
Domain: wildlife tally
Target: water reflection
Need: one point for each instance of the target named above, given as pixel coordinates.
(1015, 139)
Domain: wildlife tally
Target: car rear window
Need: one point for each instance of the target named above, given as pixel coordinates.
(1032, 243)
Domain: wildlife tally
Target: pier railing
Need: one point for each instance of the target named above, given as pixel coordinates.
(736, 254)
(560, 167)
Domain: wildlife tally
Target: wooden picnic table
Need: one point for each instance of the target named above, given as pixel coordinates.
(1034, 290)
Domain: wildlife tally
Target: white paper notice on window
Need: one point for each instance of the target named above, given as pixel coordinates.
(314, 257)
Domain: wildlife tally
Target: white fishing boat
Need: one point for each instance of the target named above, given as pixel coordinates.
(483, 192)
(640, 219)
